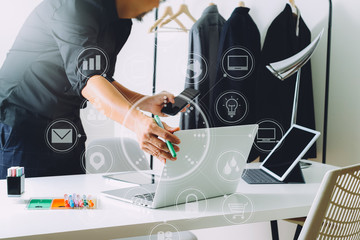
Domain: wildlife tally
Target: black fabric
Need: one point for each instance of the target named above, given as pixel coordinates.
(26, 146)
(40, 74)
(275, 97)
(204, 39)
(239, 34)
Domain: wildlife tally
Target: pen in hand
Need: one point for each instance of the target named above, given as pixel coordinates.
(168, 143)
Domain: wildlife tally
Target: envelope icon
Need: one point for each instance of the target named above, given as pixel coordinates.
(61, 136)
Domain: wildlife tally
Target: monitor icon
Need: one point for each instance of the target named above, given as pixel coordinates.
(238, 63)
(266, 135)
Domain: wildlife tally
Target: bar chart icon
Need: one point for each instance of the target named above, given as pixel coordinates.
(92, 63)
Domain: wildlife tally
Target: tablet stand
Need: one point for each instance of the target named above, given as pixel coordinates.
(295, 176)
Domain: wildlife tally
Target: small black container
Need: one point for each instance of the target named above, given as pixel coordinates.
(15, 186)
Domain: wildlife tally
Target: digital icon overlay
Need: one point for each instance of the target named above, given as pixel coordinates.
(61, 135)
(94, 113)
(238, 63)
(164, 231)
(97, 159)
(92, 61)
(197, 69)
(231, 107)
(191, 202)
(237, 208)
(269, 134)
(230, 165)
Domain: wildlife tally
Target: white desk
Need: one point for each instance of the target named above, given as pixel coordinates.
(115, 219)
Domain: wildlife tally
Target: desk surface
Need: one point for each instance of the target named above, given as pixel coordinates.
(115, 219)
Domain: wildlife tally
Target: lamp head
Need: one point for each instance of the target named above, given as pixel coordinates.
(287, 67)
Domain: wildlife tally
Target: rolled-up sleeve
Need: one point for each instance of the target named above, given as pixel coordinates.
(75, 26)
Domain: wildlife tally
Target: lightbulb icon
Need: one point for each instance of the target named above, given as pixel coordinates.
(231, 105)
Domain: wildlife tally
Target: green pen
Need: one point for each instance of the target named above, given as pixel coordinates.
(168, 143)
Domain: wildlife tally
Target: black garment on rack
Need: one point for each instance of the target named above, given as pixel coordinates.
(275, 97)
(203, 47)
(232, 99)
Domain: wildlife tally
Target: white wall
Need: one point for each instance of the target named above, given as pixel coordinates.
(344, 114)
(344, 111)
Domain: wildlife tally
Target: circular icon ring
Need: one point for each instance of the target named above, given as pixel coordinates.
(231, 107)
(237, 208)
(96, 159)
(62, 135)
(187, 202)
(230, 165)
(93, 62)
(238, 63)
(197, 69)
(269, 134)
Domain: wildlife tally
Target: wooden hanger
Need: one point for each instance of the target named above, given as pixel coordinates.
(212, 4)
(183, 9)
(168, 12)
(241, 4)
(293, 7)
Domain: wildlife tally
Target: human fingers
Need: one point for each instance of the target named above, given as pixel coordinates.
(158, 153)
(147, 150)
(171, 129)
(169, 97)
(163, 133)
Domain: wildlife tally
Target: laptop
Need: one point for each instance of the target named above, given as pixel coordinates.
(282, 163)
(209, 164)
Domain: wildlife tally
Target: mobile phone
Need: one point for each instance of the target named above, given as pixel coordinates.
(180, 101)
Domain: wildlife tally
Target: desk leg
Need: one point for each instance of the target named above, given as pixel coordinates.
(297, 233)
(274, 230)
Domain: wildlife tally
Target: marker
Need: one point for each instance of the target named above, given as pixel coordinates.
(18, 172)
(9, 172)
(168, 143)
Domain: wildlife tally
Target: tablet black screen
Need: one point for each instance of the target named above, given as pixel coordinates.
(287, 152)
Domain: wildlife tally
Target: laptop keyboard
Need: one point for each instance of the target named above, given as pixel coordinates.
(258, 176)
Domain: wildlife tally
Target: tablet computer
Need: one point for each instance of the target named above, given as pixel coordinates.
(289, 151)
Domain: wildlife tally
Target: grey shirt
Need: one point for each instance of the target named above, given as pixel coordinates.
(203, 56)
(42, 76)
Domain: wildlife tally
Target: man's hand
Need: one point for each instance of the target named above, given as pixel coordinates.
(155, 103)
(148, 132)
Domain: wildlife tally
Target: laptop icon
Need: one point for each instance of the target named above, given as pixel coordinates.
(238, 63)
(206, 178)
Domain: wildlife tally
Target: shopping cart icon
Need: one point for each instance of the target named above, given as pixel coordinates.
(238, 209)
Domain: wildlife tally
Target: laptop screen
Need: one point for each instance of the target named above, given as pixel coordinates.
(295, 143)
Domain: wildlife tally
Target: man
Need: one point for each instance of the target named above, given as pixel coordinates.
(50, 71)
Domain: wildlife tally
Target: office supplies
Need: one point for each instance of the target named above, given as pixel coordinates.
(204, 174)
(168, 143)
(181, 101)
(15, 181)
(282, 165)
(73, 201)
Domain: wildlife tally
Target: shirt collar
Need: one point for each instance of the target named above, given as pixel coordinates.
(211, 9)
(241, 10)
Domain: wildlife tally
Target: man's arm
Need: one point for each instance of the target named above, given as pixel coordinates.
(117, 108)
(131, 96)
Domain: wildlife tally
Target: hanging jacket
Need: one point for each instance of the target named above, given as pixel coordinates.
(203, 47)
(232, 99)
(286, 36)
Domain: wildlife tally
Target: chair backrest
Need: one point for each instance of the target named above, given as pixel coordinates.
(335, 213)
(107, 155)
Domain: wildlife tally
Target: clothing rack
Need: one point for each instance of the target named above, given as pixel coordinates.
(327, 79)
